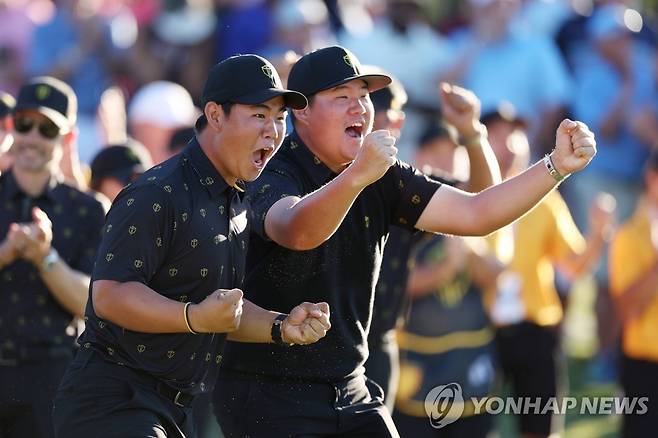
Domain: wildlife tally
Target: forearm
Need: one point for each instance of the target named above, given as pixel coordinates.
(135, 306)
(313, 219)
(634, 301)
(424, 280)
(578, 264)
(69, 287)
(6, 254)
(504, 203)
(255, 324)
(485, 171)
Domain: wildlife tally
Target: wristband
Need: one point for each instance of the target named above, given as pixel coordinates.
(187, 319)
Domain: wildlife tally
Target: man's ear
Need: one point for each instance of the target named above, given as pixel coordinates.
(215, 115)
(302, 116)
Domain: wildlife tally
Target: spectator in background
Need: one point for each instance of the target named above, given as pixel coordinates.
(116, 166)
(408, 41)
(179, 139)
(526, 307)
(614, 82)
(447, 336)
(245, 26)
(16, 28)
(50, 232)
(7, 103)
(300, 26)
(500, 64)
(156, 111)
(382, 364)
(76, 47)
(634, 287)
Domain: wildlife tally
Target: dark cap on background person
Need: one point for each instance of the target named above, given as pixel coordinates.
(505, 111)
(51, 97)
(7, 104)
(329, 67)
(437, 130)
(123, 162)
(393, 96)
(246, 79)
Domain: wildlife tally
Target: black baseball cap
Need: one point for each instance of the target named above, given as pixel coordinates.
(7, 103)
(248, 79)
(52, 98)
(122, 161)
(329, 67)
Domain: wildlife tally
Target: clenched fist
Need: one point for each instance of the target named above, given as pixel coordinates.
(306, 324)
(461, 108)
(574, 147)
(374, 158)
(220, 312)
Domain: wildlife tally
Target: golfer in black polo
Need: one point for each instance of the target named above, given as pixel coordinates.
(163, 295)
(323, 209)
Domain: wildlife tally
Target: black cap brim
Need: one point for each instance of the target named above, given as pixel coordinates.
(292, 99)
(55, 116)
(375, 82)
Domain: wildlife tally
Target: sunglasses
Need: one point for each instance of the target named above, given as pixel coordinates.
(47, 129)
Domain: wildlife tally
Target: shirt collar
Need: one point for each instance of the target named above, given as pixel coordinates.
(315, 168)
(14, 191)
(209, 177)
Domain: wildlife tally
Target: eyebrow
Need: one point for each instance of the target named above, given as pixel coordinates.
(269, 108)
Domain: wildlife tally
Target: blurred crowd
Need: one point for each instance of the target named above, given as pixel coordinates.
(138, 67)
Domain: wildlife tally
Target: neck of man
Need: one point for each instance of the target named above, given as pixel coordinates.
(303, 134)
(33, 183)
(211, 146)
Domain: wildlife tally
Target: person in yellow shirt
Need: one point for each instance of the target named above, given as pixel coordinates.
(633, 272)
(526, 307)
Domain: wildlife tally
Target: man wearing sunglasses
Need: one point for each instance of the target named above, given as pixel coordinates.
(49, 233)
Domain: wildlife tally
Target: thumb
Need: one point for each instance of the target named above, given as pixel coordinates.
(38, 215)
(566, 126)
(299, 314)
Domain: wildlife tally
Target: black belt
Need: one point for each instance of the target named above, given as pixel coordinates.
(179, 398)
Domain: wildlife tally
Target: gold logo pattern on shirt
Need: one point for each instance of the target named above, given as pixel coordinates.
(138, 263)
(158, 242)
(171, 354)
(415, 199)
(173, 272)
(157, 207)
(202, 212)
(109, 256)
(141, 348)
(204, 272)
(132, 230)
(130, 201)
(167, 188)
(194, 243)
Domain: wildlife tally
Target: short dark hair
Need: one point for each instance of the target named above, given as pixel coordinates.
(201, 122)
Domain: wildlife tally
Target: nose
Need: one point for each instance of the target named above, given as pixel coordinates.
(271, 130)
(357, 107)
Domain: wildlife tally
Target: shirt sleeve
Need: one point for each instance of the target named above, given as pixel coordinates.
(90, 239)
(411, 191)
(273, 185)
(137, 235)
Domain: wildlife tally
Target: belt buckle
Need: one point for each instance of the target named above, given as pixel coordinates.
(176, 402)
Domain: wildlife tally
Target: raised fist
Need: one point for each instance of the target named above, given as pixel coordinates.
(574, 147)
(374, 158)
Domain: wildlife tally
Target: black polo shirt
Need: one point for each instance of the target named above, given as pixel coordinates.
(31, 319)
(342, 271)
(391, 288)
(182, 231)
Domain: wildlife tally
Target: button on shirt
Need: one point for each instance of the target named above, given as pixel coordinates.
(342, 271)
(182, 231)
(31, 319)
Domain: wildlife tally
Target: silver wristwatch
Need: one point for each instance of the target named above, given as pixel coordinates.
(50, 260)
